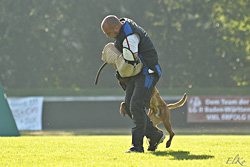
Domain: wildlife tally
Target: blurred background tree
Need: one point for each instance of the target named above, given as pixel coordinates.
(58, 44)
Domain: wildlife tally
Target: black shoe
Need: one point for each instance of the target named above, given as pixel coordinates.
(135, 150)
(154, 144)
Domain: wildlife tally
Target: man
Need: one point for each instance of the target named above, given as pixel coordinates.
(129, 35)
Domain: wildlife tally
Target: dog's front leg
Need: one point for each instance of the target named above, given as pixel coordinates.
(123, 110)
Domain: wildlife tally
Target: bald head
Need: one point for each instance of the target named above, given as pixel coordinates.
(111, 21)
(111, 26)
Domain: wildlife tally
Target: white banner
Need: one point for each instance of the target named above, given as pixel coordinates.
(27, 112)
(218, 109)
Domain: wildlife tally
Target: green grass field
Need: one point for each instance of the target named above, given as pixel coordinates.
(108, 150)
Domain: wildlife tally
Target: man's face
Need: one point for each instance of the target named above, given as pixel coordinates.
(110, 32)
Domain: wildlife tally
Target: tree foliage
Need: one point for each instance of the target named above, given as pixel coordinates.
(58, 44)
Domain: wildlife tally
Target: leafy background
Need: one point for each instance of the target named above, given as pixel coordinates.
(54, 44)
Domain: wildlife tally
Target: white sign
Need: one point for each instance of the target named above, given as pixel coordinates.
(218, 109)
(27, 112)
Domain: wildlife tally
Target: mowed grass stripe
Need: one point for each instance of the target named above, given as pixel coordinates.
(193, 150)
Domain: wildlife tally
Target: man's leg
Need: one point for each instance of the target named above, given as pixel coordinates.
(152, 133)
(137, 146)
(129, 92)
(144, 85)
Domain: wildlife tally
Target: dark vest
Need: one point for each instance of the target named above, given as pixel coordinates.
(146, 49)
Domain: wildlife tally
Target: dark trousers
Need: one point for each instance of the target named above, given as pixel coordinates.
(138, 93)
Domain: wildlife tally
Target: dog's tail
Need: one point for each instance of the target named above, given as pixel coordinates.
(179, 103)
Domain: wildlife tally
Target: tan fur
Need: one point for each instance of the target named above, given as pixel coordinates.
(160, 112)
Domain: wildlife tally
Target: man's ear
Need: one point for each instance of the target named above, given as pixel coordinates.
(116, 29)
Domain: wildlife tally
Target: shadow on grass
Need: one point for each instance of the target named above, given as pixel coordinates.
(182, 155)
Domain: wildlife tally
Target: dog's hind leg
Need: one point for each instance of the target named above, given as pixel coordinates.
(166, 117)
(154, 119)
